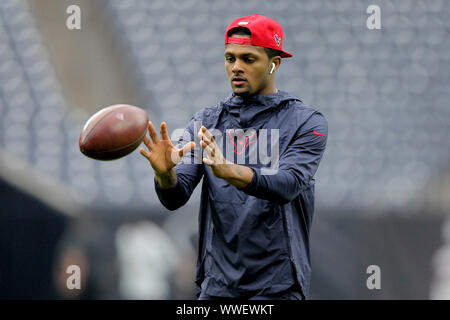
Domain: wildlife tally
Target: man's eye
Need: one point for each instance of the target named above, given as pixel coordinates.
(229, 59)
(250, 60)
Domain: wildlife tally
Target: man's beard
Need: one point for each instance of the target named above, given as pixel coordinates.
(242, 94)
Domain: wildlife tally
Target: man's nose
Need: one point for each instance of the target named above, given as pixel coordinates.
(237, 67)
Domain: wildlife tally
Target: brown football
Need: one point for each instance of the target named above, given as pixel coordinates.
(113, 132)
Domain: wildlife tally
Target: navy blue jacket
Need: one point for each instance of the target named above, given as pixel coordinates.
(254, 241)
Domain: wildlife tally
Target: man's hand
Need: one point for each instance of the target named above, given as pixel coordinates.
(237, 175)
(163, 155)
(214, 157)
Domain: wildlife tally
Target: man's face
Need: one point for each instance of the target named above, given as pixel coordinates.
(247, 68)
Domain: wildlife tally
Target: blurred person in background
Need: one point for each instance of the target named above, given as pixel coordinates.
(183, 230)
(440, 284)
(87, 245)
(119, 260)
(147, 259)
(253, 227)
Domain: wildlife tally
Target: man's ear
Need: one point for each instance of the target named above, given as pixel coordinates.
(274, 64)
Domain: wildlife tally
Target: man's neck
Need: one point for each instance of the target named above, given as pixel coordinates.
(270, 89)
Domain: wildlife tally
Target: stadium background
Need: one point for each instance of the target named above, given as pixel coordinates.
(382, 189)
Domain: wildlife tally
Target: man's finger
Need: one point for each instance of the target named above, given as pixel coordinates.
(208, 149)
(152, 132)
(206, 139)
(200, 132)
(145, 153)
(164, 133)
(209, 162)
(177, 155)
(211, 149)
(203, 144)
(208, 135)
(147, 143)
(187, 148)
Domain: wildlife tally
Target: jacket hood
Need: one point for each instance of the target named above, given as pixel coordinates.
(254, 109)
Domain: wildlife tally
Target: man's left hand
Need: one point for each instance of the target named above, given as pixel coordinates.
(214, 157)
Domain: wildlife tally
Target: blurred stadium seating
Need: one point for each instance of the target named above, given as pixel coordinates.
(385, 93)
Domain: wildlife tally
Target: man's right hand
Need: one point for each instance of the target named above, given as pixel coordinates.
(162, 154)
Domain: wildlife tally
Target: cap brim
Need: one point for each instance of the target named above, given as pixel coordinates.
(285, 54)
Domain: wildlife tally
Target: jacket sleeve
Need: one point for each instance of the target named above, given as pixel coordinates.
(189, 173)
(297, 165)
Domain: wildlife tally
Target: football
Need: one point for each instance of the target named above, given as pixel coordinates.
(113, 132)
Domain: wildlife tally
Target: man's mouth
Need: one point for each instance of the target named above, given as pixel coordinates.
(238, 80)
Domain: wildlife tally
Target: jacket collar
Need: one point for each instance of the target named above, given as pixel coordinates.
(251, 110)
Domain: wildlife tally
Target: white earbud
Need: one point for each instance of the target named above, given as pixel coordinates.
(273, 67)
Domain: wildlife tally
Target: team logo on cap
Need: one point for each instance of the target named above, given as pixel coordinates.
(277, 39)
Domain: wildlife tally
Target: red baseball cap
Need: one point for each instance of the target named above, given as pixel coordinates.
(265, 32)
